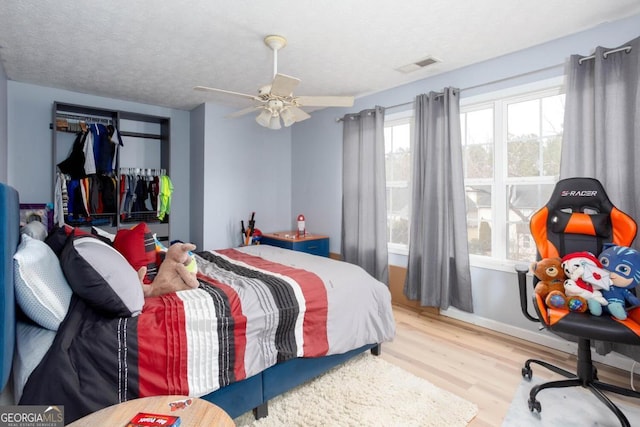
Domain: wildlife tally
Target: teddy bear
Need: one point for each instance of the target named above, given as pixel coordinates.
(177, 272)
(551, 279)
(585, 279)
(623, 265)
(550, 287)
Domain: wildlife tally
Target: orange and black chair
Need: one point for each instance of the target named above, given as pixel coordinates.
(579, 217)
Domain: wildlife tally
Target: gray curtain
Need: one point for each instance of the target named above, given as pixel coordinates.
(601, 137)
(602, 124)
(438, 270)
(364, 207)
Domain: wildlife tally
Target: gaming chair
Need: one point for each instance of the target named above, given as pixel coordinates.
(579, 217)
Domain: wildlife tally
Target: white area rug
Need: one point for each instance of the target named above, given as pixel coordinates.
(366, 391)
(565, 407)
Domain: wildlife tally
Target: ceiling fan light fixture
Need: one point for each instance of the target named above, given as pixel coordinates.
(274, 123)
(264, 118)
(276, 100)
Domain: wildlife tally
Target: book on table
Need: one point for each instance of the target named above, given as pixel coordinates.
(144, 419)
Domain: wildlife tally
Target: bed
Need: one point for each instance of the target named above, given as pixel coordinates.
(263, 321)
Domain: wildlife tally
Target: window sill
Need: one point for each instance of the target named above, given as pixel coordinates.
(396, 249)
(489, 263)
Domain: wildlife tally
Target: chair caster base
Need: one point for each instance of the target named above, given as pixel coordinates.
(534, 405)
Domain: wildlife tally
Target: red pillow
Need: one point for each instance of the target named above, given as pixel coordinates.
(138, 247)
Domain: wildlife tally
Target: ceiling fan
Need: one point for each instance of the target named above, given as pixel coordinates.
(276, 100)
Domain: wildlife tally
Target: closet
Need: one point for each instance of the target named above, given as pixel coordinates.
(111, 168)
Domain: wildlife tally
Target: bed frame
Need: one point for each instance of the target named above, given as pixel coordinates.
(250, 394)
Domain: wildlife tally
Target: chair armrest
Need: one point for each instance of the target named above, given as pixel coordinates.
(522, 271)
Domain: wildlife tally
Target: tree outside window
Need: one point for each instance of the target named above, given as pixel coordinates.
(511, 156)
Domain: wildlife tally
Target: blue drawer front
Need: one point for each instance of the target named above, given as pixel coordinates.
(314, 247)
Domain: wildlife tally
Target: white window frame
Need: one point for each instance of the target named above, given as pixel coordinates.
(402, 117)
(500, 100)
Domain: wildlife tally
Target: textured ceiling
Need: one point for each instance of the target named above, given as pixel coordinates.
(156, 51)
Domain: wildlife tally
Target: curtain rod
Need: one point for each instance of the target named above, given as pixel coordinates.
(539, 70)
(626, 49)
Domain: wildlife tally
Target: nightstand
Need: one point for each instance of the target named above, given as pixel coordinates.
(314, 244)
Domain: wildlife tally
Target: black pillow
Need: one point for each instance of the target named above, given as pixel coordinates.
(101, 276)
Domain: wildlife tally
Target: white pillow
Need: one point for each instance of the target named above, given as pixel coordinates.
(42, 292)
(32, 343)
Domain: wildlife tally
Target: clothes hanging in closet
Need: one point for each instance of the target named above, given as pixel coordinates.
(144, 196)
(86, 186)
(94, 151)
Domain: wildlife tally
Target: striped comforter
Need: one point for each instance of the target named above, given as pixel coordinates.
(255, 307)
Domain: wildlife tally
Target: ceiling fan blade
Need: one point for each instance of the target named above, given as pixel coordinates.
(243, 111)
(299, 114)
(283, 85)
(325, 101)
(228, 92)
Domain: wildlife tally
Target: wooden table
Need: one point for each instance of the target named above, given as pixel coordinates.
(198, 413)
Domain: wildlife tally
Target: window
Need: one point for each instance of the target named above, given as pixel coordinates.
(511, 156)
(397, 139)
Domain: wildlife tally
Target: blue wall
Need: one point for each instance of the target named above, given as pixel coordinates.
(30, 157)
(246, 168)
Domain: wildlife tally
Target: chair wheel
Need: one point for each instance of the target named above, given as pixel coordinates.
(534, 405)
(526, 373)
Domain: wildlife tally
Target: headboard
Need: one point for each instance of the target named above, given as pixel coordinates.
(9, 236)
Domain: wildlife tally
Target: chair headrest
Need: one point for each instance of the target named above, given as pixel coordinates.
(585, 195)
(579, 216)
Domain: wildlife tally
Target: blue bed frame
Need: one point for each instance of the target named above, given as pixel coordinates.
(250, 394)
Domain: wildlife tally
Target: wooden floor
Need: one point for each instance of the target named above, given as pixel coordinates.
(477, 364)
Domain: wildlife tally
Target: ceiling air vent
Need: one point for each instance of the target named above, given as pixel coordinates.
(429, 60)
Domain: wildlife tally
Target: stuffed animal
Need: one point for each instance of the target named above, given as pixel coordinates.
(551, 279)
(577, 266)
(177, 272)
(623, 264)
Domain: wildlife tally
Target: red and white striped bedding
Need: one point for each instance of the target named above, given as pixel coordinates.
(256, 306)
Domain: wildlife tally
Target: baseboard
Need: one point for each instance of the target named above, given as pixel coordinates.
(543, 337)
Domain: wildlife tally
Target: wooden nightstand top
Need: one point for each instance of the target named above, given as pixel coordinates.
(290, 236)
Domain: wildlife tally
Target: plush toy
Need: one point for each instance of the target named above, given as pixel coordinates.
(623, 264)
(176, 273)
(577, 266)
(551, 279)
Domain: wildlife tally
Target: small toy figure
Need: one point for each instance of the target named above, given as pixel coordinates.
(577, 266)
(623, 264)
